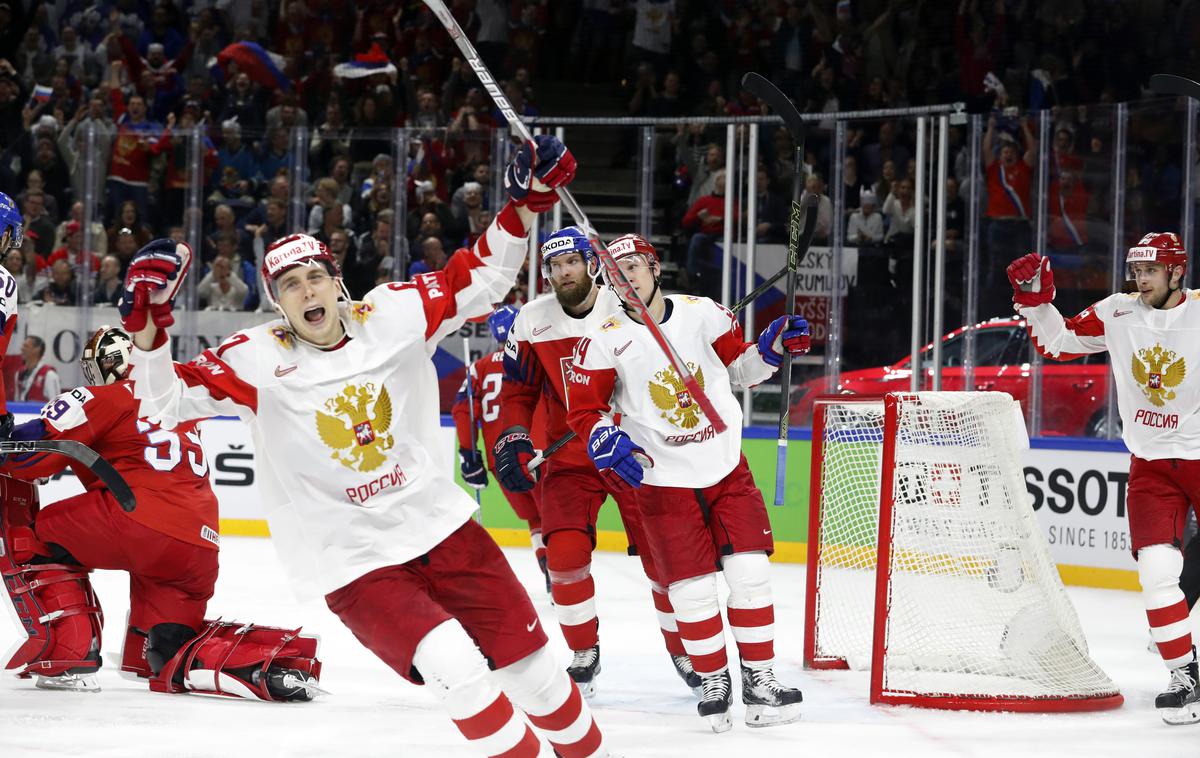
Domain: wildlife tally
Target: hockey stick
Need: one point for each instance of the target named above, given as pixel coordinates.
(1171, 84)
(470, 403)
(810, 228)
(81, 453)
(761, 88)
(611, 269)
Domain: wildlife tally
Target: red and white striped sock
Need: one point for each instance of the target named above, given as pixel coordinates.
(497, 730)
(698, 616)
(569, 561)
(666, 620)
(1166, 608)
(751, 607)
(554, 705)
(539, 546)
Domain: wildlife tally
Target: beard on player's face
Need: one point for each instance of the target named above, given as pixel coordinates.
(571, 294)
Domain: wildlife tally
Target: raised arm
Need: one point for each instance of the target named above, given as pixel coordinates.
(1054, 337)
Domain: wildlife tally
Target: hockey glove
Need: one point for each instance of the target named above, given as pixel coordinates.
(786, 333)
(470, 462)
(536, 169)
(619, 461)
(155, 275)
(513, 451)
(1032, 280)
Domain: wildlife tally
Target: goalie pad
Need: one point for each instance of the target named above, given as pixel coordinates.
(249, 661)
(53, 601)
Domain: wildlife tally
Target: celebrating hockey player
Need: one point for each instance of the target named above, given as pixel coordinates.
(168, 545)
(537, 360)
(1151, 337)
(342, 400)
(700, 506)
(481, 405)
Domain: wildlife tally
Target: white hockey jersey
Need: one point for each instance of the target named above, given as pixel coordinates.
(350, 459)
(1150, 352)
(618, 367)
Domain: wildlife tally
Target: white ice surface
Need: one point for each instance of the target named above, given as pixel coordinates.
(642, 707)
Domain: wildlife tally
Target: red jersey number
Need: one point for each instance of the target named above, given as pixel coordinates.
(166, 449)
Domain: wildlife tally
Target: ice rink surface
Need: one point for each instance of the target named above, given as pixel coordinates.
(642, 707)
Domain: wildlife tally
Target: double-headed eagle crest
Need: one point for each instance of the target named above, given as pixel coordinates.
(672, 398)
(356, 427)
(1156, 371)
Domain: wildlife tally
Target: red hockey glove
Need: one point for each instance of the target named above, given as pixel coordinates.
(1032, 281)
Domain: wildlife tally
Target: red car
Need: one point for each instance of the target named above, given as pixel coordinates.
(1073, 392)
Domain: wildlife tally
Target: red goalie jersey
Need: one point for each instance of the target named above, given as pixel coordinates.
(165, 468)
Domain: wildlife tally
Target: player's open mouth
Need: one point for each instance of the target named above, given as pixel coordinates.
(314, 314)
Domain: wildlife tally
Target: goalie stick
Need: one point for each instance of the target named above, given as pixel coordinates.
(81, 453)
(810, 227)
(761, 88)
(613, 271)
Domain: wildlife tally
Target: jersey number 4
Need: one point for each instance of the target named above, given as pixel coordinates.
(167, 449)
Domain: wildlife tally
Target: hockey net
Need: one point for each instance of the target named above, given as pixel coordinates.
(926, 563)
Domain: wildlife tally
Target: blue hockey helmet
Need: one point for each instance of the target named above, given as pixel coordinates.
(12, 224)
(569, 239)
(501, 321)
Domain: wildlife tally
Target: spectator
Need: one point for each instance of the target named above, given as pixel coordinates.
(99, 235)
(702, 168)
(1007, 234)
(653, 23)
(244, 105)
(866, 224)
(330, 141)
(427, 114)
(887, 177)
(72, 251)
(372, 248)
(276, 156)
(332, 219)
(886, 149)
(178, 150)
(129, 217)
(123, 246)
(815, 185)
(706, 220)
(773, 210)
(469, 214)
(851, 189)
(273, 227)
(433, 257)
(129, 167)
(37, 382)
(325, 197)
(60, 290)
(235, 154)
(38, 221)
(14, 263)
(956, 216)
(901, 212)
(379, 201)
(221, 290)
(341, 247)
(227, 250)
(1068, 232)
(110, 283)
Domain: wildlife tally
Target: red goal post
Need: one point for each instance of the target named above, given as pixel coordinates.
(926, 564)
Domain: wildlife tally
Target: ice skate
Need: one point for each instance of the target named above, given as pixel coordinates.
(69, 682)
(584, 669)
(290, 685)
(683, 667)
(715, 698)
(768, 703)
(1180, 704)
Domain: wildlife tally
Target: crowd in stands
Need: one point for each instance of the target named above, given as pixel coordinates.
(100, 101)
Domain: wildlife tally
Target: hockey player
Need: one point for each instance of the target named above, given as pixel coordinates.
(12, 233)
(482, 404)
(700, 507)
(168, 545)
(537, 368)
(1151, 337)
(342, 400)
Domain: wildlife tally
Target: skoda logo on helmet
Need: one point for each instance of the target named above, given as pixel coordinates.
(558, 245)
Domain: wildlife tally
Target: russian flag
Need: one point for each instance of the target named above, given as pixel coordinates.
(372, 62)
(262, 66)
(42, 93)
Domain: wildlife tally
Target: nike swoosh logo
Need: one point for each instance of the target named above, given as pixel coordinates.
(531, 626)
(621, 349)
(766, 531)
(1119, 314)
(281, 371)
(542, 330)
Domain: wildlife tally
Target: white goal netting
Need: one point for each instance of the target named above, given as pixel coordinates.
(974, 611)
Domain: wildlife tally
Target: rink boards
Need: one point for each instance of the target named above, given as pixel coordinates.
(1077, 488)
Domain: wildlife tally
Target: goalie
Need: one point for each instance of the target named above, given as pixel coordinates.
(168, 545)
(1151, 337)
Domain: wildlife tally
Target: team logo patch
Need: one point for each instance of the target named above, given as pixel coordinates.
(609, 324)
(357, 426)
(1156, 371)
(282, 336)
(360, 312)
(672, 398)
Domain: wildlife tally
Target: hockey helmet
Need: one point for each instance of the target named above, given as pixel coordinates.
(1157, 247)
(501, 321)
(105, 357)
(297, 250)
(569, 239)
(12, 224)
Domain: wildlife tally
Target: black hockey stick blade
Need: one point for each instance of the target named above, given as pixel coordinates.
(80, 453)
(1172, 84)
(761, 87)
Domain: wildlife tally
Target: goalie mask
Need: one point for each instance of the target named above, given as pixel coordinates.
(298, 250)
(12, 225)
(105, 357)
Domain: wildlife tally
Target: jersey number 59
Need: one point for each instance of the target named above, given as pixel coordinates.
(167, 449)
